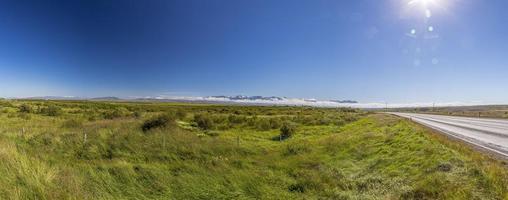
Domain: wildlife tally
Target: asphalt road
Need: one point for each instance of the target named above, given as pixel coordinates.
(489, 134)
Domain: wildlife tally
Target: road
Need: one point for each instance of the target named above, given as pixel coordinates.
(489, 134)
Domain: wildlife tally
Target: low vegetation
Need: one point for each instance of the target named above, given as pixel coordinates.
(488, 111)
(161, 121)
(107, 150)
(287, 130)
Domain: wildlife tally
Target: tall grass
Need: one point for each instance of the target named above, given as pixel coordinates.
(332, 154)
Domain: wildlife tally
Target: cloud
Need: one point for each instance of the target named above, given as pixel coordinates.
(308, 102)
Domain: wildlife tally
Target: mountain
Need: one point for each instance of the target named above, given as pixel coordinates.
(106, 99)
(238, 99)
(73, 98)
(254, 100)
(56, 98)
(344, 101)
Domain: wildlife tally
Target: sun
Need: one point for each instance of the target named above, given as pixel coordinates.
(427, 6)
(424, 3)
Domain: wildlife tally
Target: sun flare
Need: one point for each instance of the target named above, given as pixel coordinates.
(422, 2)
(428, 4)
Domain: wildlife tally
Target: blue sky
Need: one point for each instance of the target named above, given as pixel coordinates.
(365, 50)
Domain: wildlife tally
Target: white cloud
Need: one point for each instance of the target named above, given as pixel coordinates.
(314, 102)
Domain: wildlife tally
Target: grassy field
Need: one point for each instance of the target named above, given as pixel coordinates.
(113, 150)
(492, 111)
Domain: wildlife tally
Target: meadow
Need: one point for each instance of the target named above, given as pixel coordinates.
(150, 150)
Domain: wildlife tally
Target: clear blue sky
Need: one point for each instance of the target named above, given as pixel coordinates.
(366, 50)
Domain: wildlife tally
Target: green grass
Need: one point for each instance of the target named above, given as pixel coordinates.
(486, 111)
(334, 154)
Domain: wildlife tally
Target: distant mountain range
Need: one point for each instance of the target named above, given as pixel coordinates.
(255, 100)
(239, 99)
(272, 100)
(106, 98)
(74, 98)
(56, 98)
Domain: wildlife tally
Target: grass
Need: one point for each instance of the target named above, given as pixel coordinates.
(334, 154)
(486, 111)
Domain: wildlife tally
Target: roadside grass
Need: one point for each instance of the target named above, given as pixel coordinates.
(353, 156)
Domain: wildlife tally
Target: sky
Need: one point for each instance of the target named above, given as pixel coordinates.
(398, 51)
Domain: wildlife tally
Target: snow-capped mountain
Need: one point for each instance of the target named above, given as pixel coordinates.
(256, 100)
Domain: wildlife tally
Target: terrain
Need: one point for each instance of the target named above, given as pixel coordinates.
(146, 150)
(486, 111)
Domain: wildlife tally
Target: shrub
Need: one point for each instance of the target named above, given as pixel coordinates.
(263, 124)
(275, 123)
(161, 121)
(203, 121)
(212, 133)
(236, 119)
(339, 122)
(180, 114)
(25, 108)
(137, 114)
(52, 110)
(72, 123)
(5, 103)
(297, 148)
(117, 113)
(112, 114)
(287, 130)
(25, 116)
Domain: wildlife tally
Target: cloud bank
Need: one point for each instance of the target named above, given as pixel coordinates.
(284, 101)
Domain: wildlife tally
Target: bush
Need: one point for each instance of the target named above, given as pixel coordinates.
(25, 116)
(287, 130)
(236, 119)
(203, 121)
(137, 114)
(52, 110)
(180, 114)
(112, 114)
(297, 148)
(5, 103)
(275, 123)
(72, 123)
(161, 121)
(263, 124)
(25, 108)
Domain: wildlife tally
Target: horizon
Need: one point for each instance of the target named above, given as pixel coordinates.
(271, 101)
(401, 51)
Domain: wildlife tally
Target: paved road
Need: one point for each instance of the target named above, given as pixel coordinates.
(490, 134)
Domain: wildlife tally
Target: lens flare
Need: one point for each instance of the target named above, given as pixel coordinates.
(423, 2)
(428, 5)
